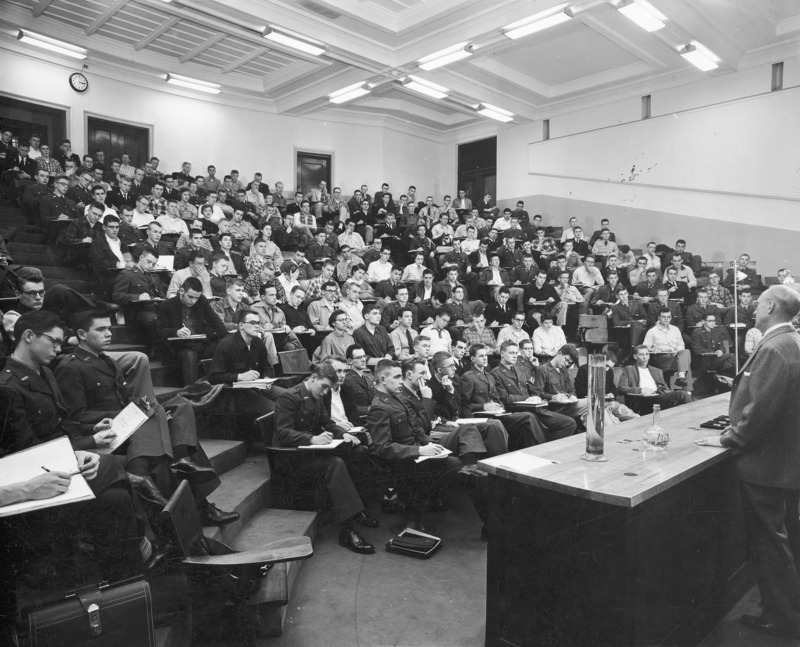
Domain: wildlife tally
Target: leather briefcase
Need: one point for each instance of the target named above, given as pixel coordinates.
(98, 616)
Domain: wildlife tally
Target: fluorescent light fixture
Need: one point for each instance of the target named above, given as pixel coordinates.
(295, 42)
(45, 42)
(643, 14)
(425, 87)
(537, 22)
(493, 112)
(349, 93)
(193, 84)
(445, 56)
(699, 56)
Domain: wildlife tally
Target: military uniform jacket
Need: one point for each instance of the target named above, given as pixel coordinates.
(298, 417)
(448, 406)
(52, 206)
(710, 341)
(392, 312)
(134, 282)
(420, 411)
(393, 436)
(357, 393)
(37, 411)
(478, 388)
(511, 384)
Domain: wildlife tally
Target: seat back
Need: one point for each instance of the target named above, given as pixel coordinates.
(595, 336)
(266, 426)
(295, 362)
(593, 321)
(181, 511)
(206, 365)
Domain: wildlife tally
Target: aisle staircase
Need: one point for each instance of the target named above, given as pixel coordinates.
(246, 479)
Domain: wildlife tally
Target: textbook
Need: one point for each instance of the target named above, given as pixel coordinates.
(414, 543)
(57, 456)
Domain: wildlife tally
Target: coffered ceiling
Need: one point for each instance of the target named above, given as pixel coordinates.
(379, 42)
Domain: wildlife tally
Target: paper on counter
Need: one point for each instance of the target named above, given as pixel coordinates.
(520, 461)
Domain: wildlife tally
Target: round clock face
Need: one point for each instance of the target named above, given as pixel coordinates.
(78, 82)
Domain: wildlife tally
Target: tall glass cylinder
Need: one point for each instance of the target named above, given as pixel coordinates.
(596, 403)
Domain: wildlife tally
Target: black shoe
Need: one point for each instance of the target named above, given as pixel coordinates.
(211, 515)
(157, 556)
(393, 506)
(470, 471)
(368, 522)
(761, 624)
(147, 490)
(185, 468)
(681, 382)
(350, 539)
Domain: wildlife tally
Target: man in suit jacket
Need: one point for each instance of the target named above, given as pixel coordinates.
(641, 379)
(764, 438)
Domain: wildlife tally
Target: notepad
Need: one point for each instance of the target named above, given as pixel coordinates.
(262, 383)
(521, 462)
(187, 338)
(331, 445)
(166, 263)
(57, 456)
(124, 425)
(444, 454)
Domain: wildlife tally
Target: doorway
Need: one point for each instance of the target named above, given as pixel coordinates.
(477, 168)
(313, 168)
(24, 119)
(115, 138)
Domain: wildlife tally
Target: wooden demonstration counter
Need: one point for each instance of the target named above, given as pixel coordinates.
(644, 549)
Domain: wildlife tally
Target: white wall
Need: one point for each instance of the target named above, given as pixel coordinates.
(186, 128)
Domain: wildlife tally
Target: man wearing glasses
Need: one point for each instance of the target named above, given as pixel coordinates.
(320, 311)
(243, 357)
(57, 206)
(514, 332)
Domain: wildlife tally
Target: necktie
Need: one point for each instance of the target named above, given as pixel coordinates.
(410, 340)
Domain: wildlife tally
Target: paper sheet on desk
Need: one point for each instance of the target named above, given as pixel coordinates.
(261, 383)
(331, 445)
(445, 452)
(124, 425)
(520, 461)
(57, 456)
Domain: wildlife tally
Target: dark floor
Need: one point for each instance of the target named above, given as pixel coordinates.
(343, 599)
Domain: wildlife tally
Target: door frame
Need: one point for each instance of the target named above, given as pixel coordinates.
(96, 115)
(46, 104)
(312, 151)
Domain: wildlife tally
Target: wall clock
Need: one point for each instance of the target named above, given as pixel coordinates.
(78, 82)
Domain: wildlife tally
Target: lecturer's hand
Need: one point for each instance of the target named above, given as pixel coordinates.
(709, 441)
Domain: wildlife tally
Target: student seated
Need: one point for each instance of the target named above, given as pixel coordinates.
(642, 379)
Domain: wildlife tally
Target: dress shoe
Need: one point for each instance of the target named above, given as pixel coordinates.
(393, 506)
(147, 490)
(185, 468)
(368, 522)
(681, 382)
(350, 539)
(211, 515)
(470, 471)
(765, 626)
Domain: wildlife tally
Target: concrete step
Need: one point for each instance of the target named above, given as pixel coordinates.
(225, 455)
(127, 335)
(45, 258)
(162, 374)
(266, 526)
(31, 235)
(245, 489)
(121, 348)
(34, 248)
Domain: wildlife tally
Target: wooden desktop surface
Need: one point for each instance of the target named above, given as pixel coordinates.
(631, 475)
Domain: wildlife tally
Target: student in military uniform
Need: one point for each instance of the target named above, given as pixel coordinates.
(512, 386)
(34, 412)
(96, 387)
(138, 290)
(479, 393)
(445, 387)
(301, 419)
(358, 387)
(398, 442)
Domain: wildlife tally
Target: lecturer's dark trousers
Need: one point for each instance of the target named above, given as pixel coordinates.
(773, 539)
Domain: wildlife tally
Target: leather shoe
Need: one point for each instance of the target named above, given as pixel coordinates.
(393, 506)
(761, 624)
(681, 382)
(187, 469)
(368, 522)
(350, 539)
(211, 515)
(147, 490)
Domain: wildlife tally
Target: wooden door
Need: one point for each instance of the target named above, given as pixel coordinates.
(313, 168)
(115, 138)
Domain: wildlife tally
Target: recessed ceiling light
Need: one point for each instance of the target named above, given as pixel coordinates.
(537, 22)
(642, 13)
(193, 84)
(296, 42)
(425, 87)
(493, 112)
(445, 56)
(349, 93)
(699, 56)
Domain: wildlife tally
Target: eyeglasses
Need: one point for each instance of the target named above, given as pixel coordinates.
(358, 357)
(56, 342)
(34, 293)
(341, 320)
(253, 323)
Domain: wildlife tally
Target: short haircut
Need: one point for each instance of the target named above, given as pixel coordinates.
(297, 289)
(194, 254)
(97, 205)
(243, 312)
(410, 363)
(785, 299)
(444, 311)
(266, 286)
(525, 343)
(38, 322)
(507, 344)
(226, 234)
(192, 283)
(662, 311)
(369, 308)
(324, 371)
(233, 281)
(218, 256)
(570, 351)
(334, 316)
(329, 284)
(473, 350)
(194, 231)
(351, 349)
(636, 349)
(504, 290)
(110, 219)
(420, 339)
(384, 366)
(85, 318)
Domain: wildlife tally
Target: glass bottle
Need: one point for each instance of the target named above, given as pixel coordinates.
(655, 436)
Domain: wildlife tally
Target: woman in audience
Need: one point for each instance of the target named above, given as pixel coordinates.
(413, 273)
(260, 268)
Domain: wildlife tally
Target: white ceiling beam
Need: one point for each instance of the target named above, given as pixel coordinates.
(289, 74)
(156, 33)
(40, 7)
(104, 17)
(202, 47)
(243, 60)
(788, 26)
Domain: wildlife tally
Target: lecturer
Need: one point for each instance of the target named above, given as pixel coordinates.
(764, 438)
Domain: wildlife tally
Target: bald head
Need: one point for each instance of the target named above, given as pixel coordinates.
(785, 302)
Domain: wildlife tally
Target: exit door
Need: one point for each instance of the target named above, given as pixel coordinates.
(114, 139)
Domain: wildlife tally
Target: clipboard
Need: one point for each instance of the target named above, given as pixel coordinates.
(125, 424)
